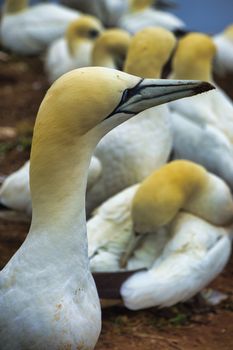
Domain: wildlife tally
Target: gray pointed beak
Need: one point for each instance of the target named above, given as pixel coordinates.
(153, 92)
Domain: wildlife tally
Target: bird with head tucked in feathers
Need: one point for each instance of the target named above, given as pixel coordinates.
(176, 224)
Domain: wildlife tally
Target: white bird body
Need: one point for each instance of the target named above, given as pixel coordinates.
(109, 231)
(133, 22)
(131, 155)
(223, 61)
(31, 30)
(202, 143)
(15, 190)
(194, 253)
(43, 305)
(59, 61)
(215, 109)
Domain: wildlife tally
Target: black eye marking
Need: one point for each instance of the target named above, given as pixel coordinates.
(128, 93)
(93, 33)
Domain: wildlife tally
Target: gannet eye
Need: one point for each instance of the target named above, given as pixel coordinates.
(93, 33)
(128, 93)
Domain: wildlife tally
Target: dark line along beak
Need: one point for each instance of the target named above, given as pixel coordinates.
(109, 283)
(153, 92)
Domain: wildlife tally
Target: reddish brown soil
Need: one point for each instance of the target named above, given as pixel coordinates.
(188, 326)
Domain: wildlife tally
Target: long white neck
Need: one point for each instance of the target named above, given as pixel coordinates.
(14, 6)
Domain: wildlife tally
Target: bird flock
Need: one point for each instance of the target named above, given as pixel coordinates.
(126, 177)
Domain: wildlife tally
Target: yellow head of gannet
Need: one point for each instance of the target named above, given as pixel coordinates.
(84, 29)
(139, 5)
(154, 46)
(47, 295)
(193, 57)
(178, 185)
(110, 48)
(15, 6)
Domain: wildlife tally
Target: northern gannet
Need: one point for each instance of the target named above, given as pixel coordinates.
(223, 61)
(143, 15)
(48, 299)
(126, 151)
(183, 215)
(29, 30)
(203, 128)
(110, 49)
(73, 50)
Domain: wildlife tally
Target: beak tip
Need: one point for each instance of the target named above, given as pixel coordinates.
(204, 87)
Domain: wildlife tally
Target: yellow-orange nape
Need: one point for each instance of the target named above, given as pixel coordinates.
(193, 57)
(82, 29)
(180, 185)
(149, 51)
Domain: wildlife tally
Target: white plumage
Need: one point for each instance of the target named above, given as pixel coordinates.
(223, 61)
(194, 254)
(31, 30)
(133, 22)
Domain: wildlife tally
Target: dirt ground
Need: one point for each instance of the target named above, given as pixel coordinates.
(188, 326)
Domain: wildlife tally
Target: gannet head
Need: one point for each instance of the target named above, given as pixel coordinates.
(193, 57)
(84, 29)
(164, 193)
(228, 32)
(139, 5)
(110, 48)
(101, 98)
(154, 46)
